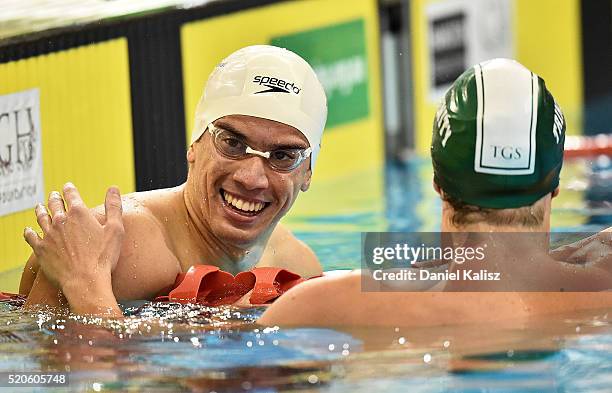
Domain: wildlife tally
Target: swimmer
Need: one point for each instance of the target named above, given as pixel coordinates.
(497, 151)
(257, 135)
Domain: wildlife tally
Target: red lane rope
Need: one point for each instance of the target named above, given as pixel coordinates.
(588, 146)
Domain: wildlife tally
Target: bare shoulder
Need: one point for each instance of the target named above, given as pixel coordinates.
(146, 264)
(141, 214)
(286, 251)
(138, 219)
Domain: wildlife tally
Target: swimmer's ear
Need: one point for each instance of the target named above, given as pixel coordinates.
(436, 187)
(554, 193)
(306, 183)
(190, 154)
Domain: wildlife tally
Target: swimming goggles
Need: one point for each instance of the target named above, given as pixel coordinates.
(233, 146)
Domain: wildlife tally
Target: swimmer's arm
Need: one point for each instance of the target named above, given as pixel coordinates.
(94, 298)
(595, 250)
(38, 289)
(88, 300)
(286, 251)
(340, 301)
(330, 301)
(312, 299)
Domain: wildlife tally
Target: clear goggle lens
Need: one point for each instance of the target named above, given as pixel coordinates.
(233, 146)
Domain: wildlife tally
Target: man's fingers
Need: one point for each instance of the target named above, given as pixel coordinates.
(112, 206)
(72, 196)
(42, 217)
(32, 238)
(56, 204)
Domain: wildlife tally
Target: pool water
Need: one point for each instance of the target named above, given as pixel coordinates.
(165, 347)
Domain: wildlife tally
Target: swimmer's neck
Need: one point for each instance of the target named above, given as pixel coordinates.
(484, 227)
(536, 239)
(212, 250)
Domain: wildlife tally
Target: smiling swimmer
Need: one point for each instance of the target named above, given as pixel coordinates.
(256, 138)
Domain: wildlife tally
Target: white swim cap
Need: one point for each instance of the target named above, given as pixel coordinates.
(268, 82)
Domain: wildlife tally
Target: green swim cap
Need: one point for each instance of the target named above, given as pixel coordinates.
(498, 137)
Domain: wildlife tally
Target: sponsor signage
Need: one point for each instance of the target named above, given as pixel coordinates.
(463, 33)
(21, 171)
(448, 48)
(338, 55)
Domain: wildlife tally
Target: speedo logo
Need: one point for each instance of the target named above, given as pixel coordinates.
(275, 85)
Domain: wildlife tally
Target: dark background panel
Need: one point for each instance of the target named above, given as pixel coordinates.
(596, 18)
(157, 102)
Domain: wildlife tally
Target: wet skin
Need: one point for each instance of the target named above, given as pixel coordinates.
(250, 179)
(169, 230)
(527, 261)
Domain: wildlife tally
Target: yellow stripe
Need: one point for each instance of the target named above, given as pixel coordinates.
(86, 128)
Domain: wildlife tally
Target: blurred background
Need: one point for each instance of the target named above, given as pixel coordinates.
(103, 92)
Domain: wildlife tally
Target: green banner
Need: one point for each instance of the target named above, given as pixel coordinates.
(338, 55)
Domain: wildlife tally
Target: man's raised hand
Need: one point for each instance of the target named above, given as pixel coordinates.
(76, 252)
